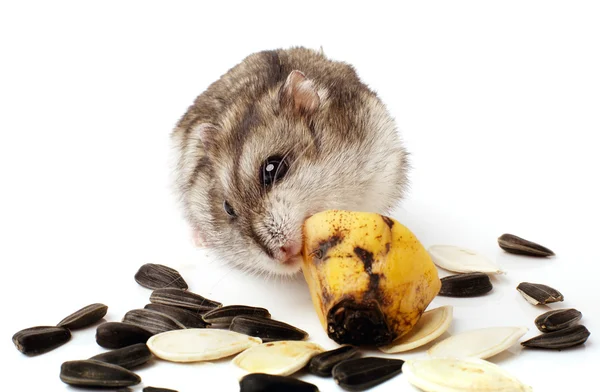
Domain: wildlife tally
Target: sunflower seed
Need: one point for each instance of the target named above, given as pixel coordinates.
(556, 320)
(260, 382)
(157, 276)
(478, 343)
(278, 358)
(322, 364)
(466, 375)
(183, 299)
(189, 318)
(152, 320)
(471, 284)
(564, 338)
(225, 314)
(127, 357)
(266, 329)
(537, 294)
(84, 317)
(90, 373)
(463, 260)
(517, 245)
(154, 389)
(363, 373)
(40, 340)
(118, 335)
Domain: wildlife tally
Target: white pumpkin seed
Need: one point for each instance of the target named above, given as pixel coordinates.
(280, 358)
(479, 343)
(458, 259)
(432, 324)
(199, 344)
(456, 375)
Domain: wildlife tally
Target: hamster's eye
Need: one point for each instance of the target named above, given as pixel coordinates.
(228, 208)
(273, 170)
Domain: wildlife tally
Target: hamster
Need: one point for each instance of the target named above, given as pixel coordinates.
(283, 135)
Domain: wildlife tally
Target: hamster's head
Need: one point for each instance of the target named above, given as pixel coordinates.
(271, 163)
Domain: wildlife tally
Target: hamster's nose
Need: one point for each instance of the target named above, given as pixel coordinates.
(290, 250)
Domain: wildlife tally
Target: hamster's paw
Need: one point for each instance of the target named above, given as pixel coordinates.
(198, 239)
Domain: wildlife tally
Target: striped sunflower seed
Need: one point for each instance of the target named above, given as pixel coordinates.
(40, 340)
(556, 320)
(537, 294)
(90, 373)
(363, 373)
(157, 276)
(84, 317)
(517, 245)
(127, 357)
(564, 338)
(189, 318)
(155, 389)
(267, 330)
(471, 284)
(322, 364)
(183, 299)
(260, 382)
(224, 315)
(118, 335)
(152, 320)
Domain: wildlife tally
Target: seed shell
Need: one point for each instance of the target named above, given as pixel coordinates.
(84, 317)
(564, 338)
(363, 373)
(281, 358)
(155, 389)
(118, 335)
(225, 314)
(537, 294)
(517, 245)
(260, 382)
(152, 320)
(471, 284)
(90, 373)
(465, 375)
(556, 320)
(322, 364)
(183, 299)
(157, 276)
(189, 318)
(479, 343)
(463, 260)
(128, 357)
(267, 329)
(200, 344)
(432, 324)
(40, 340)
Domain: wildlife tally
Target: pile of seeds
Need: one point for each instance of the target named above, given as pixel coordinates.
(178, 325)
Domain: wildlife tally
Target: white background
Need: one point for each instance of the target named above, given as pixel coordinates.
(498, 103)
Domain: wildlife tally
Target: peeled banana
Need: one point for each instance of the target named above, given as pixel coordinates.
(369, 277)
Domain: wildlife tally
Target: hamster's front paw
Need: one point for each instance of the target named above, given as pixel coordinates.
(199, 239)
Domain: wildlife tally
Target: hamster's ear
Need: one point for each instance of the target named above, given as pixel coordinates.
(299, 94)
(204, 133)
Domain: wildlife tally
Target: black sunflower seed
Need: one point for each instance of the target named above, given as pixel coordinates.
(537, 294)
(517, 245)
(556, 320)
(189, 318)
(118, 335)
(322, 364)
(225, 314)
(471, 284)
(564, 338)
(359, 374)
(127, 357)
(40, 340)
(152, 320)
(84, 317)
(157, 276)
(183, 299)
(91, 373)
(260, 382)
(266, 329)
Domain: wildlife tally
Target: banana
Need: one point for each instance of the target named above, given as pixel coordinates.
(370, 279)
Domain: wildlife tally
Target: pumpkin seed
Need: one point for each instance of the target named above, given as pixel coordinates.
(183, 299)
(189, 318)
(362, 373)
(280, 358)
(322, 364)
(157, 276)
(151, 320)
(90, 373)
(266, 329)
(564, 338)
(471, 284)
(537, 294)
(556, 320)
(225, 314)
(463, 260)
(118, 335)
(84, 317)
(260, 382)
(517, 245)
(127, 357)
(40, 340)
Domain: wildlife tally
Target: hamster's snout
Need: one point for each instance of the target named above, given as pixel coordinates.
(288, 251)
